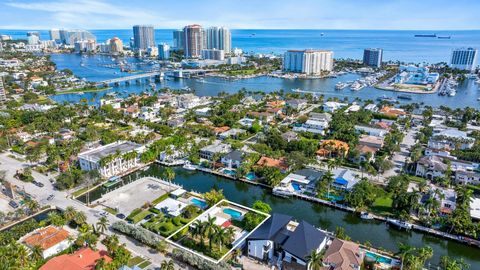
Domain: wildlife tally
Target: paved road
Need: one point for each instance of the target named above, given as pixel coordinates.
(399, 158)
(61, 201)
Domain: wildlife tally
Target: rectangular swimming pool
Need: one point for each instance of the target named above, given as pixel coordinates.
(378, 258)
(197, 202)
(296, 186)
(233, 213)
(251, 176)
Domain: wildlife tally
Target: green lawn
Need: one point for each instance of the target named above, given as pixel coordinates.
(160, 199)
(383, 205)
(110, 210)
(144, 264)
(79, 192)
(139, 216)
(134, 261)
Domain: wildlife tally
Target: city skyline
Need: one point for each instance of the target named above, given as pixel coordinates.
(325, 14)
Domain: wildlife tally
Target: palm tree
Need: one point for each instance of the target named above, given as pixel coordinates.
(221, 237)
(102, 224)
(169, 175)
(314, 260)
(210, 229)
(167, 265)
(37, 253)
(80, 218)
(69, 213)
(198, 230)
(100, 264)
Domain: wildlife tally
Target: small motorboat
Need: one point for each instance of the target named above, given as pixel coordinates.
(189, 166)
(366, 215)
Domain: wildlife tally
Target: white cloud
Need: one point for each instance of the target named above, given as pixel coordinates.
(88, 13)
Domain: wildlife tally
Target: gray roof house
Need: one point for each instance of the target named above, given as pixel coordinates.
(233, 159)
(286, 239)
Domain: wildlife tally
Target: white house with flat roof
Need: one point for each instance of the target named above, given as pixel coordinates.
(112, 159)
(475, 208)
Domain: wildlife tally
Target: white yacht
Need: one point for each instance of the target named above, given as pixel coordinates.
(189, 166)
(366, 215)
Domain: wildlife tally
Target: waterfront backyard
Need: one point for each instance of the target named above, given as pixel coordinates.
(371, 231)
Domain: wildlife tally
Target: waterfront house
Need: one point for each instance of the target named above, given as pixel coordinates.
(83, 259)
(286, 241)
(271, 162)
(112, 159)
(475, 208)
(217, 147)
(50, 239)
(276, 103)
(171, 207)
(301, 181)
(416, 75)
(345, 178)
(343, 255)
(233, 159)
(219, 130)
(147, 114)
(332, 148)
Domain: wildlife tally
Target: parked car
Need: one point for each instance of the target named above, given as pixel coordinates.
(38, 184)
(148, 217)
(121, 216)
(13, 204)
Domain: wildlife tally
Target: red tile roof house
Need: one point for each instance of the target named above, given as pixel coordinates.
(83, 259)
(50, 239)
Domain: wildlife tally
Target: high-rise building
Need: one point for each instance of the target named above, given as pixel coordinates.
(33, 38)
(373, 57)
(310, 62)
(143, 37)
(178, 40)
(219, 38)
(213, 54)
(85, 46)
(69, 37)
(116, 45)
(55, 35)
(194, 40)
(33, 33)
(464, 58)
(163, 51)
(3, 96)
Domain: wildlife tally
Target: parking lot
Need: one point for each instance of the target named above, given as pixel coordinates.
(134, 195)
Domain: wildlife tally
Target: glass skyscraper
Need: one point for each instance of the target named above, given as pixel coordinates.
(143, 37)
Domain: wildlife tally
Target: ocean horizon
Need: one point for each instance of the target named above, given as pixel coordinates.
(398, 45)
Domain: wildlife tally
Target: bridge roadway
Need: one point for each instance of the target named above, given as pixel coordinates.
(151, 74)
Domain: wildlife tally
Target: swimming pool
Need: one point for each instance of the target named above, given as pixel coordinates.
(233, 213)
(378, 258)
(251, 176)
(296, 186)
(197, 202)
(230, 172)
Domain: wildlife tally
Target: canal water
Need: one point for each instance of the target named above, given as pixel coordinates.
(375, 232)
(93, 68)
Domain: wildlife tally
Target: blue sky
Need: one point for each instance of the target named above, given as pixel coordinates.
(245, 14)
